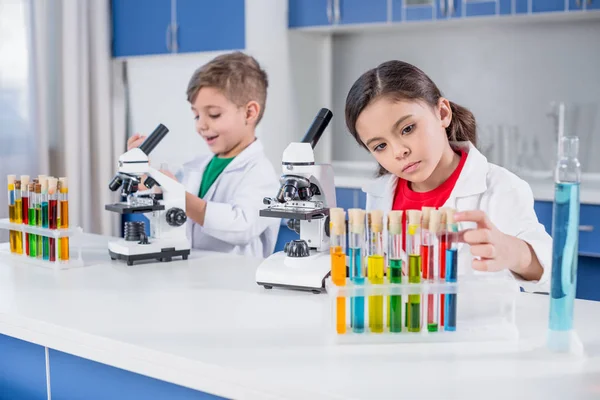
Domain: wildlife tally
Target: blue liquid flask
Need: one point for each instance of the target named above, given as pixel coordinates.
(565, 234)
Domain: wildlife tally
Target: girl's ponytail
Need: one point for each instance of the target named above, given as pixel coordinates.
(462, 128)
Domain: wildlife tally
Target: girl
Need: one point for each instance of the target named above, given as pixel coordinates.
(425, 146)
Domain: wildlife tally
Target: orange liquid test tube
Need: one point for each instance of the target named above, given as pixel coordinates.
(338, 263)
(64, 218)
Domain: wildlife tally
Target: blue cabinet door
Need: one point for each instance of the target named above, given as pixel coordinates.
(477, 8)
(577, 5)
(414, 10)
(78, 378)
(140, 27)
(592, 4)
(303, 13)
(455, 8)
(589, 230)
(210, 25)
(362, 11)
(540, 6)
(22, 370)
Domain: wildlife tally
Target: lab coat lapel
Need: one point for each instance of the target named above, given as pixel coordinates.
(238, 163)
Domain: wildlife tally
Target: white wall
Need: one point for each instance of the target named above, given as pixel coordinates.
(505, 73)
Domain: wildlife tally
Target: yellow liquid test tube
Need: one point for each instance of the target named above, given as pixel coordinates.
(64, 218)
(414, 269)
(11, 212)
(375, 268)
(18, 216)
(337, 241)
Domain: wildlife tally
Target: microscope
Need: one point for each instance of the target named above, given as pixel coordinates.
(306, 194)
(166, 210)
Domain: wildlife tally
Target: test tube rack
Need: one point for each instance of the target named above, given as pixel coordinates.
(485, 310)
(75, 258)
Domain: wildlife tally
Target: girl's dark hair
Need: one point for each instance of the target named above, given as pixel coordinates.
(398, 80)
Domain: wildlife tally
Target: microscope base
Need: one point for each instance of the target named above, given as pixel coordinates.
(305, 273)
(133, 251)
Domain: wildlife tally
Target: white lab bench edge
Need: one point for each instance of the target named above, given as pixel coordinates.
(279, 354)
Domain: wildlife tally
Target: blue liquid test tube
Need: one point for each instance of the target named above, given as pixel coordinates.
(357, 274)
(451, 270)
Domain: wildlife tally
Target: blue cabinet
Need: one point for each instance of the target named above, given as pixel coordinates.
(22, 370)
(592, 4)
(306, 13)
(146, 27)
(78, 378)
(416, 10)
(540, 6)
(140, 27)
(210, 25)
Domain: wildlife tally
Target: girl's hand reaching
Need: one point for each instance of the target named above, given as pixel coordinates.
(496, 250)
(135, 141)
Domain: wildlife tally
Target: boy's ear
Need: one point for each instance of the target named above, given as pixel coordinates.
(445, 112)
(252, 112)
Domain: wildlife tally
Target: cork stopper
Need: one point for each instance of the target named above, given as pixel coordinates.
(395, 222)
(31, 187)
(376, 220)
(435, 219)
(337, 218)
(40, 177)
(24, 180)
(64, 187)
(52, 185)
(425, 213)
(443, 215)
(356, 218)
(414, 217)
(18, 184)
(44, 184)
(38, 188)
(450, 216)
(11, 179)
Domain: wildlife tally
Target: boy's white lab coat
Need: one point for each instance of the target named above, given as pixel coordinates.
(504, 197)
(232, 223)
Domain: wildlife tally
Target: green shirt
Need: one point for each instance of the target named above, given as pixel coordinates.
(212, 172)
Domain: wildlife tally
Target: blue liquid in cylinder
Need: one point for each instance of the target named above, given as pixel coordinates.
(565, 233)
(357, 304)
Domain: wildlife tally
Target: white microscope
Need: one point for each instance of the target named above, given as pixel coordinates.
(166, 210)
(306, 194)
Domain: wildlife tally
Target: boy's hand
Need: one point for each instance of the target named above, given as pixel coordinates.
(169, 174)
(497, 250)
(135, 141)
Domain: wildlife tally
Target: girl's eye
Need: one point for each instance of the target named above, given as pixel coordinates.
(379, 147)
(196, 117)
(215, 116)
(408, 129)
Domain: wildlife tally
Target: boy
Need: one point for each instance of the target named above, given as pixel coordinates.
(225, 190)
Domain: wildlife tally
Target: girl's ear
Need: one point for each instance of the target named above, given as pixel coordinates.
(444, 112)
(252, 111)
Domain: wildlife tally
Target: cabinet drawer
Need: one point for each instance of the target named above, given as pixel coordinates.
(589, 230)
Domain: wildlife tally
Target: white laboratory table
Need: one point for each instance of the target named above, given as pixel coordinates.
(204, 324)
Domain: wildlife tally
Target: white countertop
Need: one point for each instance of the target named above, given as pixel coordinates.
(205, 324)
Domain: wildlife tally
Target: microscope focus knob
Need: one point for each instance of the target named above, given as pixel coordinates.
(297, 248)
(176, 217)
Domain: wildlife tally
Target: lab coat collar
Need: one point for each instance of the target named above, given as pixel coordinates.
(472, 179)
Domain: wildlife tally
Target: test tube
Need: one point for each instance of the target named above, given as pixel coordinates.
(451, 270)
(433, 270)
(18, 216)
(45, 218)
(337, 218)
(357, 268)
(52, 215)
(414, 267)
(25, 207)
(395, 268)
(426, 246)
(375, 267)
(64, 218)
(442, 247)
(11, 212)
(38, 217)
(33, 239)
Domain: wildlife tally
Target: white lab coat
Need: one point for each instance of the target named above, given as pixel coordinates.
(232, 223)
(505, 198)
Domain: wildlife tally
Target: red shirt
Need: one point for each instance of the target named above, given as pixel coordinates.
(407, 199)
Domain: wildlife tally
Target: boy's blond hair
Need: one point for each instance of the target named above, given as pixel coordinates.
(237, 75)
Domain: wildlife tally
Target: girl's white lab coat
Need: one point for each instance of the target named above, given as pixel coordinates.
(232, 223)
(504, 197)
